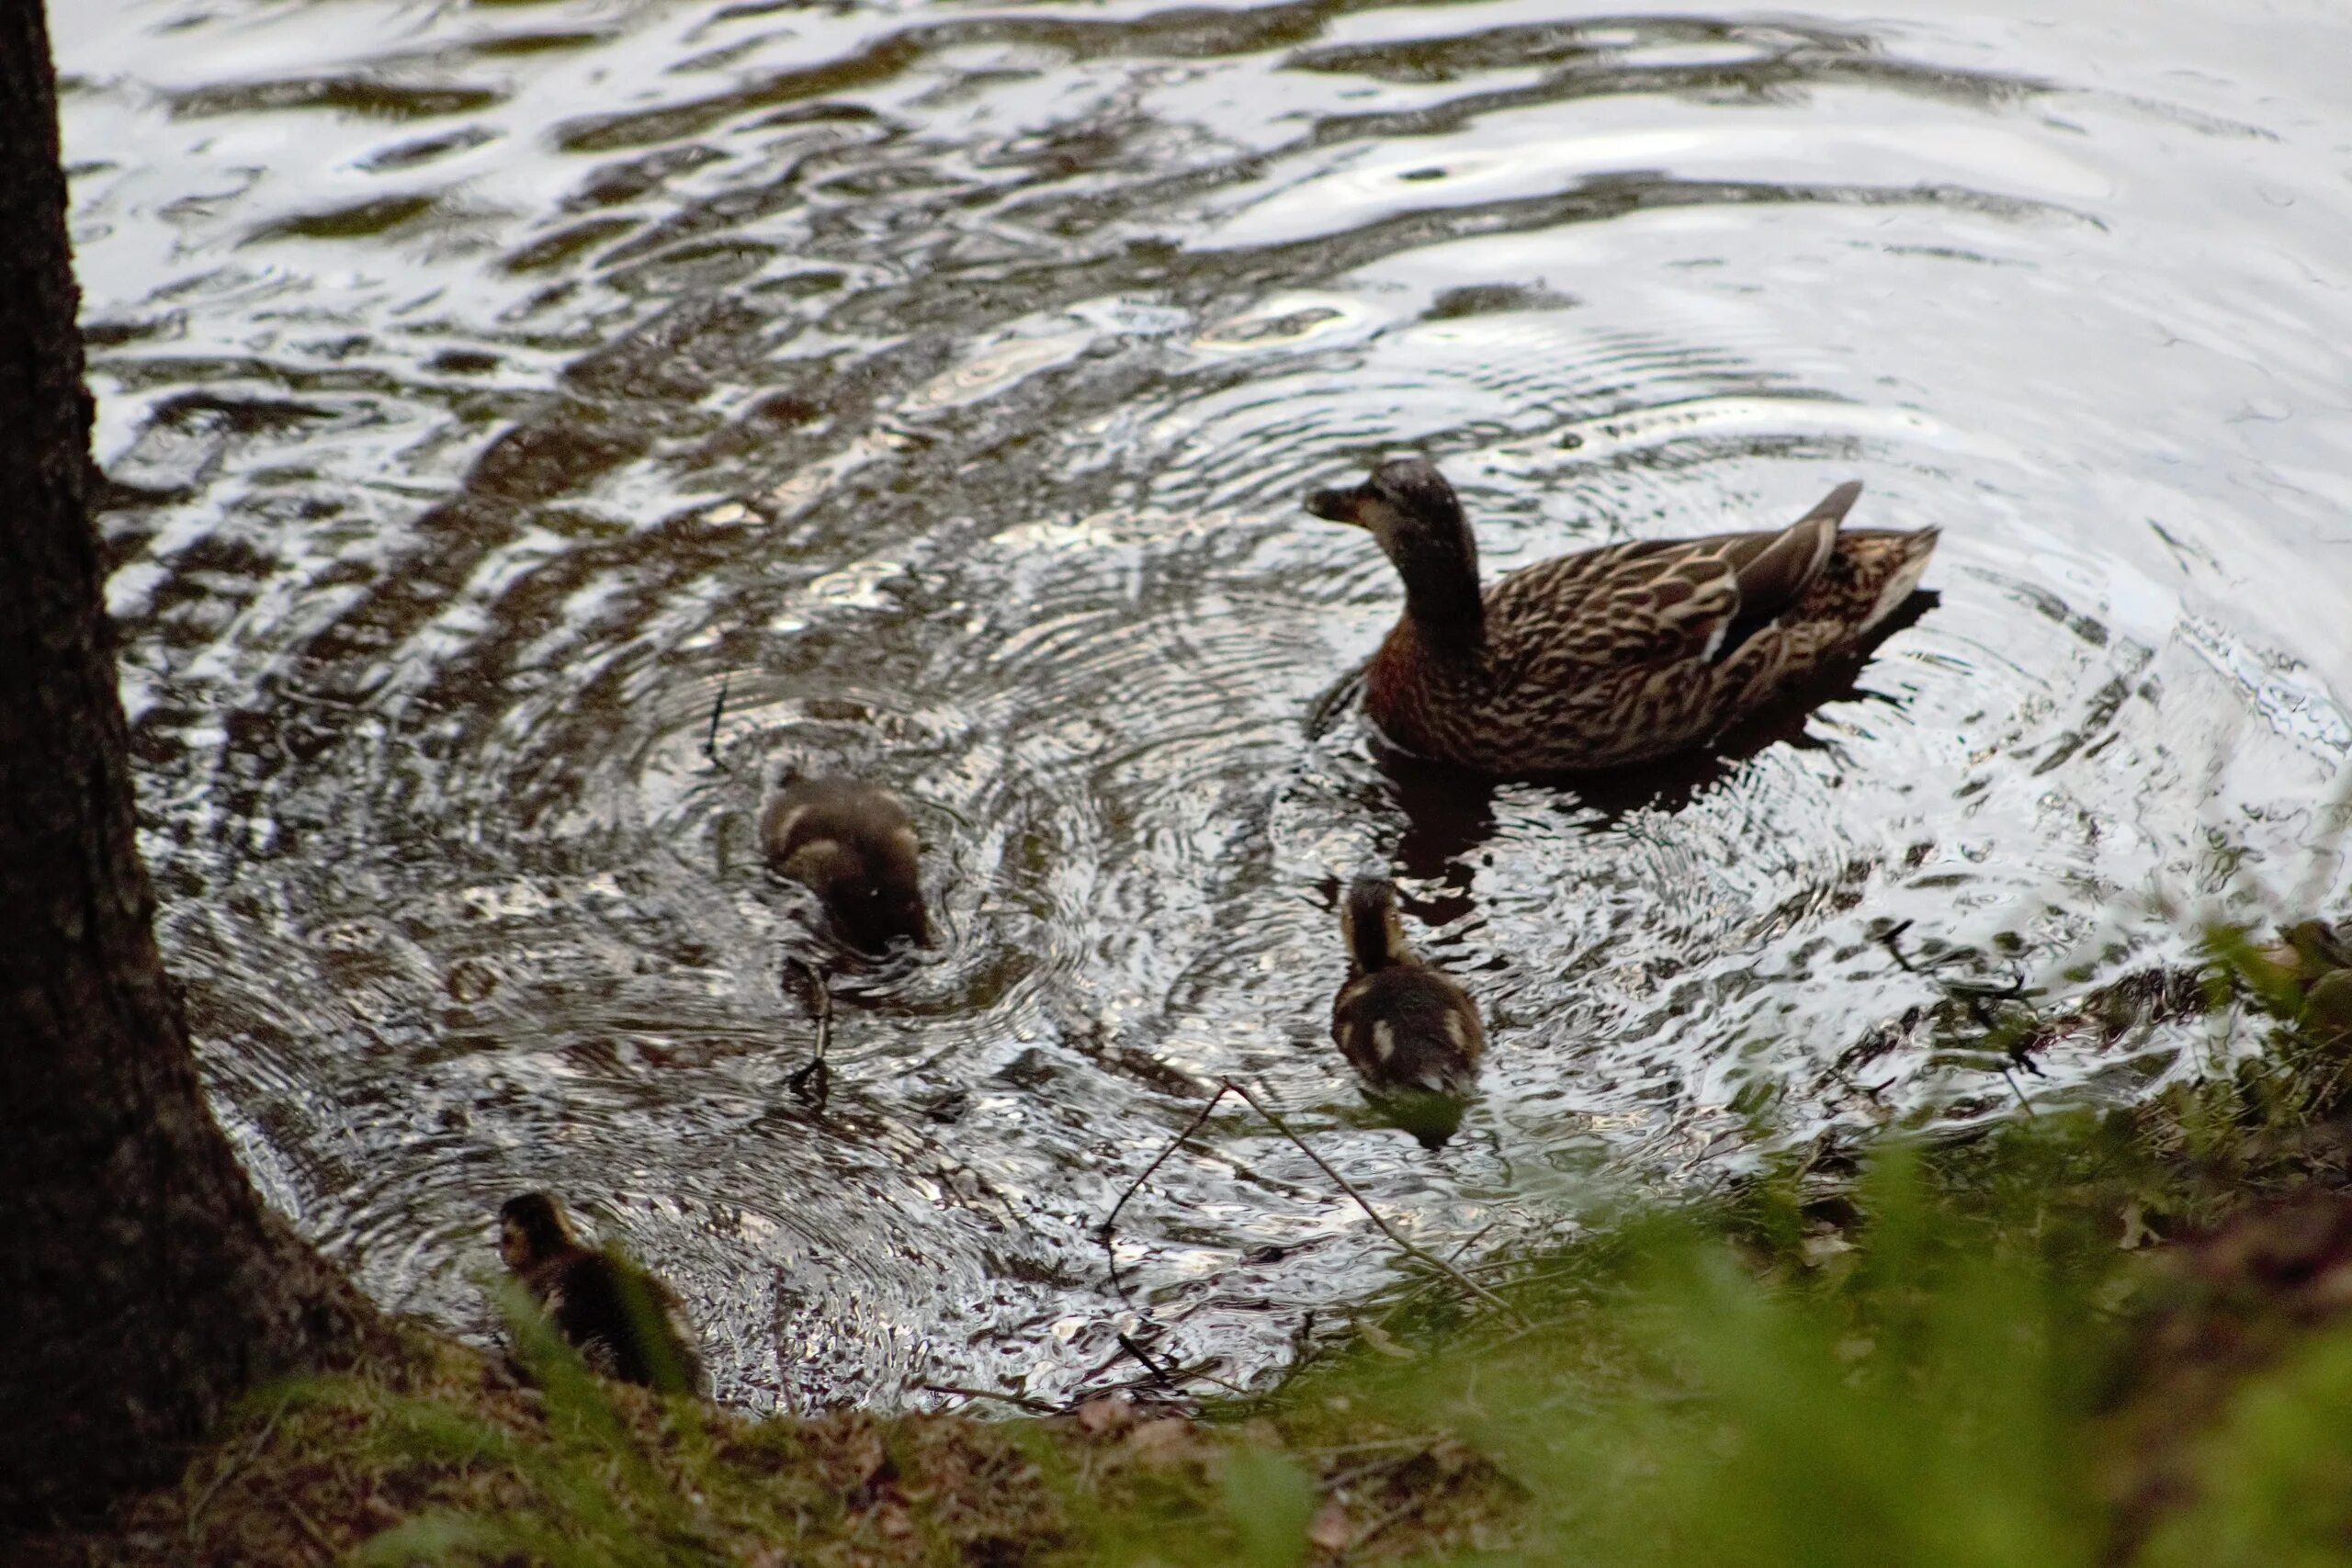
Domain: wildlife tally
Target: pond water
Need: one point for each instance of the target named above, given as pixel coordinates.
(486, 389)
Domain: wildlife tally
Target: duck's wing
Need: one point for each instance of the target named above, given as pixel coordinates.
(1775, 570)
(1665, 600)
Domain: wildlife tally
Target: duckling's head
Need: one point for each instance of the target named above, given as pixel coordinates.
(1409, 506)
(531, 1229)
(1370, 927)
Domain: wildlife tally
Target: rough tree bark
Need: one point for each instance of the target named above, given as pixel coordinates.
(142, 1283)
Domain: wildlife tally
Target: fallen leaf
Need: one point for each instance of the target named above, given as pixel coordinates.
(1819, 1249)
(1331, 1532)
(1164, 1442)
(1106, 1416)
(881, 1477)
(1451, 1457)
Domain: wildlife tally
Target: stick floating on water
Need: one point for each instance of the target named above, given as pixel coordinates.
(1108, 1227)
(813, 1084)
(1110, 1223)
(1469, 1285)
(718, 706)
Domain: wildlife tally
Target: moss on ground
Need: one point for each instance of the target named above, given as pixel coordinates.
(2077, 1339)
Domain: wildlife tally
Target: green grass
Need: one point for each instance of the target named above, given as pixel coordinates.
(2084, 1338)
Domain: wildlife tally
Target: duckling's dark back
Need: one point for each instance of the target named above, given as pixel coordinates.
(856, 847)
(1409, 1028)
(621, 1319)
(1412, 1034)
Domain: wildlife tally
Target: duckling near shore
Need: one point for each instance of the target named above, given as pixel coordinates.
(624, 1321)
(1412, 1035)
(1611, 656)
(854, 846)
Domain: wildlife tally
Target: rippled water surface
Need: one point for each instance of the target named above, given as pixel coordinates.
(485, 389)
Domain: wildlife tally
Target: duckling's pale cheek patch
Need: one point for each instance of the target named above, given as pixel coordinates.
(1455, 1033)
(1384, 1040)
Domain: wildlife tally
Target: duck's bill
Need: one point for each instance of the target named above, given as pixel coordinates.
(1335, 506)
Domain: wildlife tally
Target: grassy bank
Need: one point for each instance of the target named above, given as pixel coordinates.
(2074, 1339)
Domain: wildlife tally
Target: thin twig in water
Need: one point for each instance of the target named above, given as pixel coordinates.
(1034, 1406)
(813, 1084)
(1476, 1237)
(1424, 1255)
(1159, 1373)
(718, 706)
(1170, 1378)
(1973, 997)
(1099, 1367)
(1104, 1233)
(1106, 1228)
(1198, 1375)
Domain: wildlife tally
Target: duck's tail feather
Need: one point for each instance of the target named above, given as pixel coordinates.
(1774, 570)
(1895, 563)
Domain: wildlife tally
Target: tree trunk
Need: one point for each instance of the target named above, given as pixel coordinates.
(142, 1284)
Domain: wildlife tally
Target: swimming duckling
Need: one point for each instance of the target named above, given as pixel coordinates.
(1611, 656)
(1412, 1034)
(856, 847)
(623, 1320)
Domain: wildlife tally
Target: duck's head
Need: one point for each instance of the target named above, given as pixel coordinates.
(1409, 506)
(1370, 927)
(531, 1229)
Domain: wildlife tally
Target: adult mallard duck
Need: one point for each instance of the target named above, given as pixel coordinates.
(1611, 656)
(624, 1321)
(1412, 1034)
(856, 847)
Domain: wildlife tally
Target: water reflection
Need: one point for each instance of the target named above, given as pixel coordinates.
(483, 387)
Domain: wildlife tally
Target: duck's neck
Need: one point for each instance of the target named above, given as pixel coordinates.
(1376, 939)
(1369, 947)
(1442, 596)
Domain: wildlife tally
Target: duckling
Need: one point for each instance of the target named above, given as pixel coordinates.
(1611, 656)
(623, 1320)
(856, 847)
(1411, 1033)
